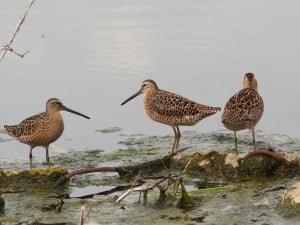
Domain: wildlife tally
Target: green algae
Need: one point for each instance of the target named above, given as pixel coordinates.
(126, 153)
(212, 189)
(186, 201)
(110, 130)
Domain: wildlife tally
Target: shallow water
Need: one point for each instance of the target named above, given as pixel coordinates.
(93, 55)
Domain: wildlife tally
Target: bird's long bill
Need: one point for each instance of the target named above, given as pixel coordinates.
(132, 97)
(75, 112)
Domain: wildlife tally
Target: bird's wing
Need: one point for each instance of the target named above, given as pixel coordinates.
(246, 105)
(26, 127)
(171, 104)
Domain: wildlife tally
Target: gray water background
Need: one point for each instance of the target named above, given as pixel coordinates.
(94, 54)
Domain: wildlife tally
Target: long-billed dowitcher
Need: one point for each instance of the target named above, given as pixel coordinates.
(244, 109)
(41, 129)
(171, 109)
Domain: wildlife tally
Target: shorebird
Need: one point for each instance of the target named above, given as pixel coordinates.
(244, 109)
(171, 109)
(41, 129)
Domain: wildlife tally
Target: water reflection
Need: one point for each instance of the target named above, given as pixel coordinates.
(93, 54)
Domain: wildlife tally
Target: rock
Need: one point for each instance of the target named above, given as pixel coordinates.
(22, 180)
(290, 204)
(292, 195)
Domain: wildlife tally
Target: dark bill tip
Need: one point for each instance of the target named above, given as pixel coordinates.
(75, 112)
(132, 97)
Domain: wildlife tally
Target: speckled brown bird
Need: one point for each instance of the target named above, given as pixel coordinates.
(244, 109)
(41, 129)
(171, 109)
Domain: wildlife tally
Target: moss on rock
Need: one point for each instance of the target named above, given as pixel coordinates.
(25, 179)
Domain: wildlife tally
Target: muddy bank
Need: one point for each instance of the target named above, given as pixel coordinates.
(210, 165)
(223, 188)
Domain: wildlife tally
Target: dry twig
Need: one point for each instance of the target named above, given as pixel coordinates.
(85, 214)
(8, 47)
(147, 187)
(144, 187)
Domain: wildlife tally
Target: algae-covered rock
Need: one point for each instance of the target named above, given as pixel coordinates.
(147, 168)
(26, 179)
(228, 166)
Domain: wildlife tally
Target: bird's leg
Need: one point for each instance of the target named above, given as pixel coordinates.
(235, 143)
(253, 138)
(175, 140)
(178, 138)
(47, 157)
(30, 157)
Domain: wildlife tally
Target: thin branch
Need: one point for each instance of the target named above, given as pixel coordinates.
(148, 187)
(7, 47)
(85, 214)
(144, 187)
(189, 162)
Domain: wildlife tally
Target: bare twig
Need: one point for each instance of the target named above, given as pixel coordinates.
(148, 187)
(7, 47)
(144, 187)
(82, 211)
(85, 214)
(189, 162)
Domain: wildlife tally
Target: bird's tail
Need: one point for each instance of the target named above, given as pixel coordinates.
(205, 111)
(209, 109)
(12, 130)
(3, 131)
(215, 109)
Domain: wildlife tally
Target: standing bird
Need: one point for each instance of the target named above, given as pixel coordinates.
(41, 129)
(171, 109)
(244, 109)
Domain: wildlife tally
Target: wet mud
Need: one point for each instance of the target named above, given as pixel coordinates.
(211, 186)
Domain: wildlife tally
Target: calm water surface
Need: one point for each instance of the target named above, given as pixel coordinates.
(94, 54)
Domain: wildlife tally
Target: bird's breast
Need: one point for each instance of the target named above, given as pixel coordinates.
(47, 131)
(54, 129)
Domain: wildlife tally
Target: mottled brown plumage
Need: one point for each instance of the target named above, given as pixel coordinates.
(171, 109)
(41, 129)
(244, 109)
